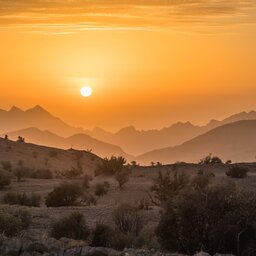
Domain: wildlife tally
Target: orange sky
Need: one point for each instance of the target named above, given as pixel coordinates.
(150, 63)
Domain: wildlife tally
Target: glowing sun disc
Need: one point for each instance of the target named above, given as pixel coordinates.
(86, 91)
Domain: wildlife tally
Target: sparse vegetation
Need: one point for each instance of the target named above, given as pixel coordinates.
(5, 179)
(11, 223)
(168, 185)
(13, 198)
(110, 166)
(7, 165)
(122, 177)
(210, 160)
(42, 174)
(195, 218)
(66, 194)
(100, 189)
(73, 226)
(237, 172)
(21, 139)
(102, 236)
(86, 181)
(128, 219)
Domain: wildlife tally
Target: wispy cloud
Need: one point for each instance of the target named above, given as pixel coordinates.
(72, 16)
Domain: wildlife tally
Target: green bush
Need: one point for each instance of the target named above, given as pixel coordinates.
(42, 174)
(5, 179)
(100, 189)
(22, 199)
(237, 172)
(66, 194)
(73, 226)
(128, 219)
(11, 223)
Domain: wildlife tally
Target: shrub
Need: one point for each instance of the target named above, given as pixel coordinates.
(12, 223)
(237, 171)
(128, 219)
(7, 165)
(42, 174)
(166, 186)
(22, 199)
(73, 226)
(196, 219)
(122, 177)
(65, 194)
(72, 173)
(22, 172)
(210, 160)
(86, 180)
(5, 179)
(100, 189)
(110, 166)
(102, 236)
(89, 199)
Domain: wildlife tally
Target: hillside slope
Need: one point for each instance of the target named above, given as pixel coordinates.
(40, 157)
(235, 141)
(77, 141)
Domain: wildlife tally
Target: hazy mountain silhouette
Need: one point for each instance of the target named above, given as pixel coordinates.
(137, 142)
(235, 141)
(16, 119)
(130, 139)
(78, 141)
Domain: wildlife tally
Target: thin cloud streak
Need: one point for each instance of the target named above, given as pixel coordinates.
(124, 15)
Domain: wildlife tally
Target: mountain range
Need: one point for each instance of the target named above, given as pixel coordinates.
(234, 141)
(39, 126)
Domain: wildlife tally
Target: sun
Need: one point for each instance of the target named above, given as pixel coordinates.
(86, 91)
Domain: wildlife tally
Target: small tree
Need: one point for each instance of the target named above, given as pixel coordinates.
(110, 166)
(122, 177)
(210, 160)
(21, 139)
(73, 226)
(86, 181)
(66, 194)
(166, 185)
(237, 172)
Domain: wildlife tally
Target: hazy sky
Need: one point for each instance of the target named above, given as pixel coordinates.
(150, 63)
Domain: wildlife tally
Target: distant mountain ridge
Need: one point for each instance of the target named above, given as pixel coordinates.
(17, 119)
(77, 141)
(128, 139)
(137, 142)
(235, 141)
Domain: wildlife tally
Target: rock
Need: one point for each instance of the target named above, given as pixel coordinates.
(38, 247)
(11, 247)
(202, 254)
(76, 251)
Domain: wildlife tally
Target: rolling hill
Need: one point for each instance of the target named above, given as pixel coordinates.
(235, 141)
(41, 157)
(77, 141)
